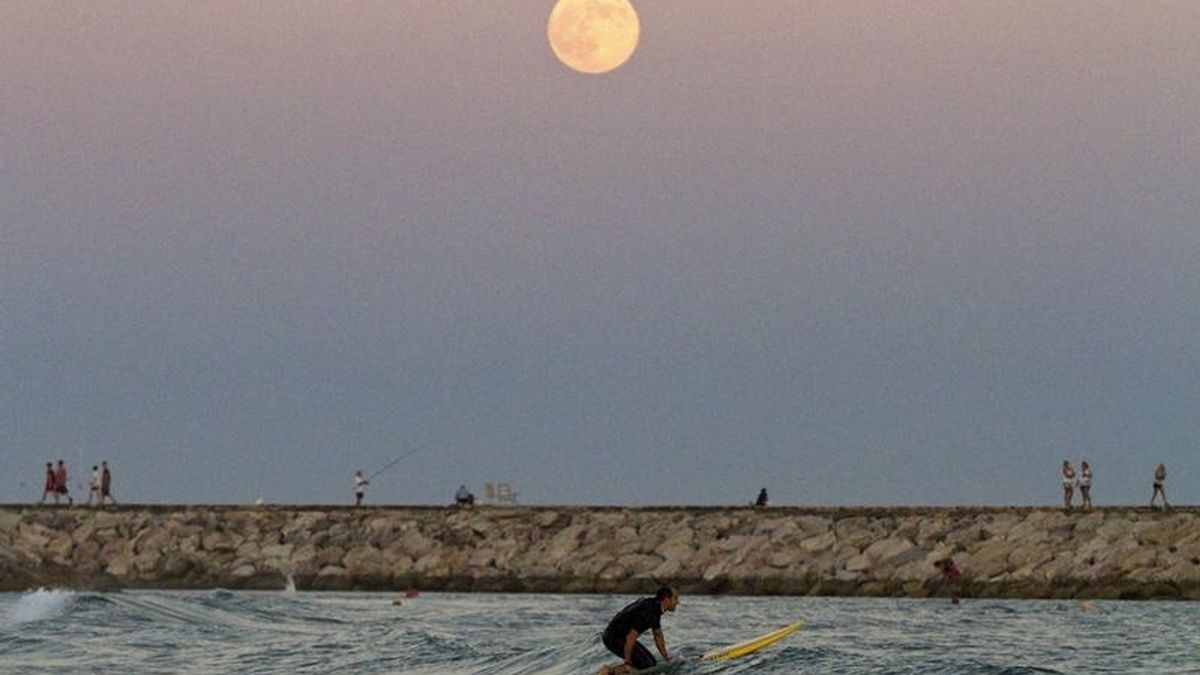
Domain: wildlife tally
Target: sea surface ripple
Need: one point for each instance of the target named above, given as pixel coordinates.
(58, 631)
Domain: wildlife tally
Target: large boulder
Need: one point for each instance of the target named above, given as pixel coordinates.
(885, 550)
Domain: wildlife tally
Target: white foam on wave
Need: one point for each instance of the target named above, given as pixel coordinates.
(291, 585)
(37, 606)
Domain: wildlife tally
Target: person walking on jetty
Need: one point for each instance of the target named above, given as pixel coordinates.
(1160, 479)
(762, 502)
(106, 484)
(60, 484)
(50, 487)
(621, 635)
(94, 487)
(1085, 486)
(360, 487)
(1068, 483)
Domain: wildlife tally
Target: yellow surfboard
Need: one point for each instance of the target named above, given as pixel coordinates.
(752, 645)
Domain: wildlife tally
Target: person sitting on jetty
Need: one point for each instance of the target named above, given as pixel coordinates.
(762, 500)
(464, 497)
(621, 635)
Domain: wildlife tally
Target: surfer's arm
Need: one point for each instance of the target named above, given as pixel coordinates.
(630, 641)
(661, 643)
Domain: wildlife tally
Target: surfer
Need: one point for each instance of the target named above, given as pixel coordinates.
(621, 635)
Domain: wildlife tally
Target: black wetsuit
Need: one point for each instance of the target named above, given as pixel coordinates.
(640, 616)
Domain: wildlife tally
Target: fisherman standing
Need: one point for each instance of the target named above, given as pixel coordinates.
(621, 635)
(360, 487)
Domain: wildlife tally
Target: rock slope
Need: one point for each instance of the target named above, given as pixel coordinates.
(1004, 552)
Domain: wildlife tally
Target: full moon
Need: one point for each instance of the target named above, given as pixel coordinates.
(593, 36)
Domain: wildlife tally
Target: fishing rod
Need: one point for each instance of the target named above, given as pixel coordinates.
(417, 449)
(403, 457)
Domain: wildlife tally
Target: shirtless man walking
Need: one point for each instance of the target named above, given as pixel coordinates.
(51, 485)
(60, 484)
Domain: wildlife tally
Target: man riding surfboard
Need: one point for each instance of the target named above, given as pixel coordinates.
(621, 635)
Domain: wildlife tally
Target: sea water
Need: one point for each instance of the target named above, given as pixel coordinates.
(494, 634)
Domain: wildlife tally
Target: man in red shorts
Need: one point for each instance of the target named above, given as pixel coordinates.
(60, 484)
(49, 488)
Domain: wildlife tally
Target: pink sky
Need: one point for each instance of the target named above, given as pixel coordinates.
(920, 236)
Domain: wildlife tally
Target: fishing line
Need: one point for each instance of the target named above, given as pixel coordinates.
(417, 449)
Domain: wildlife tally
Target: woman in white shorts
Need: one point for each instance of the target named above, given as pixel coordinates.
(1085, 485)
(1068, 482)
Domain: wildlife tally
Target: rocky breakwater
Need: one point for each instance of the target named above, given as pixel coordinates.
(1004, 552)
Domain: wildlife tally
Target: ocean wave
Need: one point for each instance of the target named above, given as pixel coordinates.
(38, 605)
(268, 632)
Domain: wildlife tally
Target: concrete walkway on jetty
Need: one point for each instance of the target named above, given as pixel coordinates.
(1013, 552)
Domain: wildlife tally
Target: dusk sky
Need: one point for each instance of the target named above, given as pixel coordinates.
(854, 252)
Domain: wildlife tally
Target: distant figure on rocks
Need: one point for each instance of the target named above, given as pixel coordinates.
(1085, 486)
(106, 484)
(51, 485)
(951, 574)
(1068, 483)
(1160, 478)
(94, 487)
(762, 500)
(60, 484)
(463, 496)
(360, 487)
